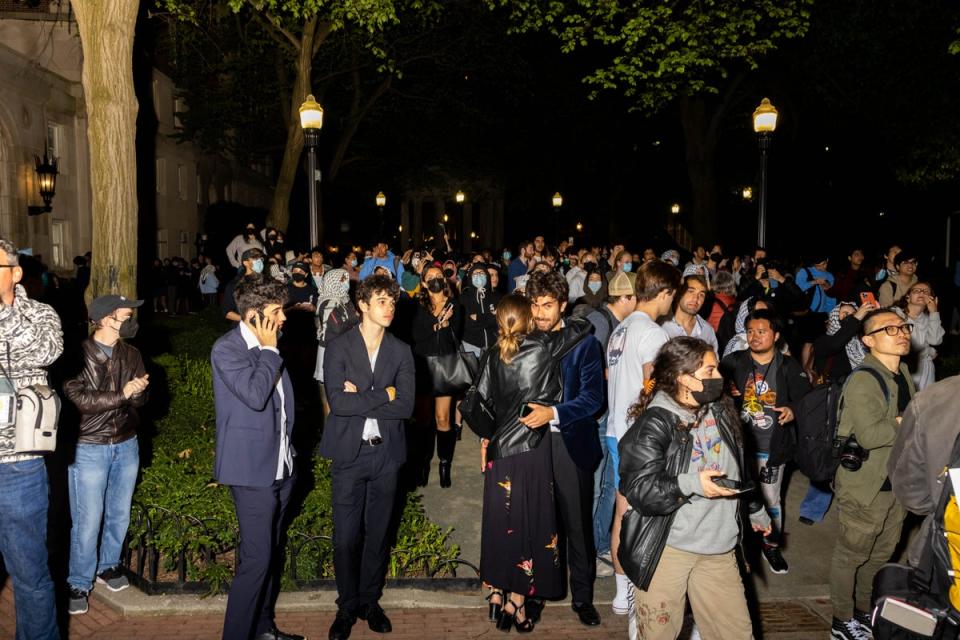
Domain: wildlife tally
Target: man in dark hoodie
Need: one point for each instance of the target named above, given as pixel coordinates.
(479, 301)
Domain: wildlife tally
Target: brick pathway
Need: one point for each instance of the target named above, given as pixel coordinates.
(779, 619)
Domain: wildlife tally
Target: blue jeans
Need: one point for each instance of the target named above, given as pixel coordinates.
(816, 503)
(23, 543)
(604, 494)
(101, 479)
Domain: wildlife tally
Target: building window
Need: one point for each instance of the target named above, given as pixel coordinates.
(227, 192)
(161, 176)
(179, 108)
(199, 192)
(56, 243)
(182, 182)
(184, 244)
(162, 243)
(155, 87)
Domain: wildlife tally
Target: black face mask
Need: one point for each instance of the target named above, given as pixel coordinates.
(712, 390)
(299, 277)
(435, 285)
(448, 273)
(128, 328)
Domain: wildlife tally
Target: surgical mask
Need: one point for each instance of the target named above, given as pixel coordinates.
(257, 265)
(353, 263)
(435, 285)
(479, 281)
(415, 263)
(627, 267)
(299, 277)
(128, 328)
(712, 390)
(507, 255)
(594, 286)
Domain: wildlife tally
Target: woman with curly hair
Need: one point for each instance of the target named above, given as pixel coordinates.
(682, 472)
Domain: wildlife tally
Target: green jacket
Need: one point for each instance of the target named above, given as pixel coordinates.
(874, 423)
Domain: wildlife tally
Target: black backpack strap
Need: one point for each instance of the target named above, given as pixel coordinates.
(876, 376)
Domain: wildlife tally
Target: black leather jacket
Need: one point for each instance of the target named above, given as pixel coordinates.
(532, 376)
(106, 416)
(652, 454)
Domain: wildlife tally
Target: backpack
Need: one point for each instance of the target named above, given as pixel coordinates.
(924, 601)
(727, 327)
(817, 416)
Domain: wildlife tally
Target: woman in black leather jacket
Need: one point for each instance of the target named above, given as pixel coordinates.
(519, 553)
(678, 538)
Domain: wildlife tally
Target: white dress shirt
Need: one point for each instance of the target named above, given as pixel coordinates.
(371, 428)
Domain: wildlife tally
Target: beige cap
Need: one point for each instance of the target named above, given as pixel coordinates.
(622, 284)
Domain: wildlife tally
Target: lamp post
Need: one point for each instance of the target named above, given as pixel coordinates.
(381, 203)
(557, 202)
(311, 121)
(764, 124)
(47, 172)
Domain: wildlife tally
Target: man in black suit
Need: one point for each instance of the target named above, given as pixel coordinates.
(369, 378)
(254, 454)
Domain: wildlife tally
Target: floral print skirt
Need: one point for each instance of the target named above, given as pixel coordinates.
(518, 546)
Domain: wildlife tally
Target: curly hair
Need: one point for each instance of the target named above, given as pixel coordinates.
(515, 321)
(681, 356)
(551, 284)
(371, 285)
(256, 291)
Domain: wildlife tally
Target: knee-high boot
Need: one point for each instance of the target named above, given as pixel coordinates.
(446, 444)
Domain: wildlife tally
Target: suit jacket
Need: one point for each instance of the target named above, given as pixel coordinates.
(248, 411)
(346, 359)
(584, 397)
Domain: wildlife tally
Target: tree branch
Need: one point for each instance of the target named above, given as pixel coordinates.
(276, 33)
(324, 29)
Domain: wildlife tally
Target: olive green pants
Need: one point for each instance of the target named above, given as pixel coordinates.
(868, 536)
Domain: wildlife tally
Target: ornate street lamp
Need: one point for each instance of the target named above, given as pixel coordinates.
(47, 172)
(460, 197)
(557, 200)
(311, 121)
(747, 193)
(579, 226)
(381, 200)
(675, 208)
(764, 124)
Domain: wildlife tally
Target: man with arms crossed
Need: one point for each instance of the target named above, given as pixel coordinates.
(369, 378)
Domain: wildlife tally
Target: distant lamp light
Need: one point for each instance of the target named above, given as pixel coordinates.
(473, 235)
(311, 114)
(400, 228)
(765, 117)
(579, 226)
(446, 218)
(557, 200)
(675, 208)
(460, 197)
(381, 200)
(748, 193)
(47, 172)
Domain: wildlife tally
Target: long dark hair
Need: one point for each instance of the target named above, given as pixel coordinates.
(679, 356)
(424, 293)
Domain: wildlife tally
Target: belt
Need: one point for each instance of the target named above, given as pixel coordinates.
(375, 441)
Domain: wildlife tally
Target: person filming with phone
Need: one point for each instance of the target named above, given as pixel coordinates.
(254, 453)
(683, 471)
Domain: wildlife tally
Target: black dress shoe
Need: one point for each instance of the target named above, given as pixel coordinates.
(533, 608)
(376, 619)
(342, 625)
(587, 613)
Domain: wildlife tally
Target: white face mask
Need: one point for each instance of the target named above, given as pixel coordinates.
(415, 263)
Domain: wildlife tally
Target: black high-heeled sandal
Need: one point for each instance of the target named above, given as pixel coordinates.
(496, 608)
(522, 627)
(506, 620)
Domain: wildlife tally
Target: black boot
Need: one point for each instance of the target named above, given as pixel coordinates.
(446, 443)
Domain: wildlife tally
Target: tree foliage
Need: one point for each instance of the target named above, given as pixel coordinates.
(653, 51)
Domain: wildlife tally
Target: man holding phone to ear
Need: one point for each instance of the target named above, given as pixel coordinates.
(254, 453)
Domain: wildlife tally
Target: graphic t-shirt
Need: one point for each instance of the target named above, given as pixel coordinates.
(634, 343)
(759, 392)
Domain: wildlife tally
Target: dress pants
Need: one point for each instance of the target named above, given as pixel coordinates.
(363, 493)
(253, 593)
(573, 490)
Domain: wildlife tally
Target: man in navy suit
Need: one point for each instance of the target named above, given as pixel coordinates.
(254, 454)
(369, 378)
(575, 443)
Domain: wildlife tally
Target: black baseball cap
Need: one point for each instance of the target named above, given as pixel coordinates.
(103, 306)
(251, 254)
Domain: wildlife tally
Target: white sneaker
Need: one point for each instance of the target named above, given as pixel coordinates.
(620, 607)
(694, 632)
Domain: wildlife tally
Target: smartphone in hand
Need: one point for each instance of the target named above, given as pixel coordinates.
(868, 297)
(525, 410)
(733, 485)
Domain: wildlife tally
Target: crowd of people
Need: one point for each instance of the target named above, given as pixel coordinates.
(628, 405)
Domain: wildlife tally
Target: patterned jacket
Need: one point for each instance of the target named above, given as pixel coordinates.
(31, 331)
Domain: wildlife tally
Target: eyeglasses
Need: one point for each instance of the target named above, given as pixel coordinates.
(925, 292)
(893, 330)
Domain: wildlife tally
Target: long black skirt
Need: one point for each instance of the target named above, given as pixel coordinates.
(518, 546)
